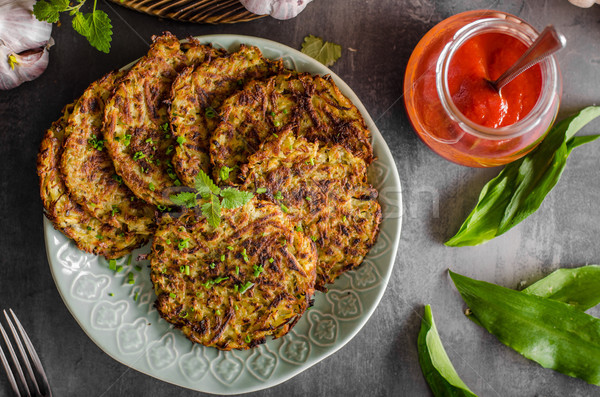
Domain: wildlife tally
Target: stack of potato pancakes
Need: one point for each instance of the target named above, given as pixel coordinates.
(109, 166)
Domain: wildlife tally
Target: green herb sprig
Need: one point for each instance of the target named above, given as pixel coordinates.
(520, 188)
(213, 196)
(94, 26)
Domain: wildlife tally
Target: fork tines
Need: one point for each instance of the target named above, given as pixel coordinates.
(39, 380)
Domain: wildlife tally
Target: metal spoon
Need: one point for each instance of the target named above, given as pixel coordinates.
(547, 43)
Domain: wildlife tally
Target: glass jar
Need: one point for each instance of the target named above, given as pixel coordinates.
(436, 118)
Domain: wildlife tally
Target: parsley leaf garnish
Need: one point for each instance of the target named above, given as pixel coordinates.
(214, 198)
(185, 199)
(212, 211)
(233, 198)
(94, 26)
(325, 52)
(205, 186)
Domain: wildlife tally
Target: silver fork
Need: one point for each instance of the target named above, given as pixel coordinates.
(16, 371)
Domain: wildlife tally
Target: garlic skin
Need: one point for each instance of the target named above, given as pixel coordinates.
(278, 9)
(24, 43)
(584, 3)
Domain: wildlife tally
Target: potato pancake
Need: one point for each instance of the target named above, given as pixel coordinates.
(324, 190)
(88, 233)
(88, 171)
(313, 104)
(230, 287)
(197, 94)
(136, 125)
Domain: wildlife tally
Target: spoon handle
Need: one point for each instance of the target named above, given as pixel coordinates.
(547, 43)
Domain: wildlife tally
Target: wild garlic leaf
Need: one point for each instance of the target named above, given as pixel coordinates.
(435, 364)
(325, 52)
(212, 211)
(205, 185)
(100, 30)
(233, 198)
(184, 199)
(577, 287)
(520, 188)
(551, 333)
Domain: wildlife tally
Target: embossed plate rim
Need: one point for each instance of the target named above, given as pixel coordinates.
(67, 275)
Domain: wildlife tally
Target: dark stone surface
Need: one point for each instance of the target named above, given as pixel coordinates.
(382, 359)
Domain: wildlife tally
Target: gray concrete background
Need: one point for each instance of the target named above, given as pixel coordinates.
(382, 359)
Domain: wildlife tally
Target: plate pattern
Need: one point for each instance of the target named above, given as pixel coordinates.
(120, 318)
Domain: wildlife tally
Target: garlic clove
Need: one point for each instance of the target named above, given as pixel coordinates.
(16, 69)
(24, 43)
(279, 9)
(583, 3)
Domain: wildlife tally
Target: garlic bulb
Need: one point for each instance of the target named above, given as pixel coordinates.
(584, 3)
(278, 9)
(24, 43)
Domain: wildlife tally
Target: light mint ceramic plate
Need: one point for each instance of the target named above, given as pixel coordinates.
(120, 317)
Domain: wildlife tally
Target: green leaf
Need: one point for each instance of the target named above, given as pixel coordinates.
(580, 140)
(325, 52)
(551, 333)
(212, 211)
(99, 30)
(578, 287)
(435, 364)
(521, 186)
(184, 199)
(204, 185)
(80, 24)
(224, 173)
(49, 11)
(233, 198)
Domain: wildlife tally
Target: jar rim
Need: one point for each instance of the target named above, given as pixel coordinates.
(521, 30)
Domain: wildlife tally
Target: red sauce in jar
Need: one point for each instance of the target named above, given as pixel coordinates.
(486, 57)
(453, 109)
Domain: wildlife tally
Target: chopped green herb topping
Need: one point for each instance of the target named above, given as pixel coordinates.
(278, 195)
(180, 140)
(244, 255)
(224, 173)
(96, 143)
(172, 295)
(169, 151)
(223, 258)
(184, 243)
(210, 113)
(138, 156)
(130, 278)
(271, 260)
(118, 179)
(299, 228)
(165, 127)
(284, 208)
(248, 339)
(151, 186)
(258, 270)
(149, 140)
(246, 286)
(112, 264)
(314, 238)
(261, 190)
(212, 265)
